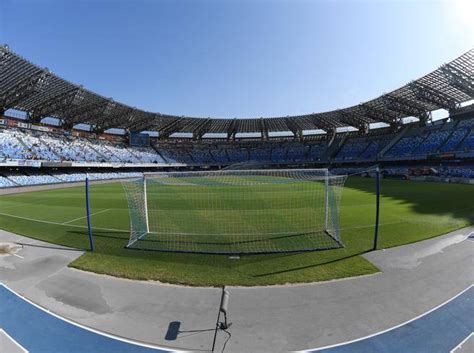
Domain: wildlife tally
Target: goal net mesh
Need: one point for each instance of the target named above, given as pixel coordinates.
(235, 211)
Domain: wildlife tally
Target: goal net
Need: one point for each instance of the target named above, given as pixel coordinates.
(235, 211)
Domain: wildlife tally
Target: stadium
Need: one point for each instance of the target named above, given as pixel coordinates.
(127, 230)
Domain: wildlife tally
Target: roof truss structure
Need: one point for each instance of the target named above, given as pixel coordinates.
(39, 92)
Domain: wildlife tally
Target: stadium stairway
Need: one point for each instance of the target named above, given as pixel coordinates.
(92, 147)
(452, 130)
(49, 148)
(393, 142)
(158, 152)
(426, 137)
(129, 150)
(334, 147)
(368, 143)
(461, 142)
(23, 143)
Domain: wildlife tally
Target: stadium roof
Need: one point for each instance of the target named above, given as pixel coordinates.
(36, 90)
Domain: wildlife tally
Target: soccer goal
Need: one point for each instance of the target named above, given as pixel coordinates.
(235, 211)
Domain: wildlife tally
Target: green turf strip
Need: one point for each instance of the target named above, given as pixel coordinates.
(410, 211)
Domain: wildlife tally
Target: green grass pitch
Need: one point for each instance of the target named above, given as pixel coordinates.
(410, 211)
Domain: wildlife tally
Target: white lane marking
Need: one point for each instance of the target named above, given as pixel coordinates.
(389, 329)
(461, 343)
(12, 340)
(90, 329)
(21, 257)
(92, 214)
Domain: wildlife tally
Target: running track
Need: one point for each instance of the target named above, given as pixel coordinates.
(440, 330)
(38, 331)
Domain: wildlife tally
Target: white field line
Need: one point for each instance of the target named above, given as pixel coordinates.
(61, 224)
(126, 231)
(90, 329)
(461, 343)
(92, 214)
(372, 225)
(389, 329)
(385, 224)
(2, 332)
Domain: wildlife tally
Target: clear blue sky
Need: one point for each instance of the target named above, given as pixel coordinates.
(237, 58)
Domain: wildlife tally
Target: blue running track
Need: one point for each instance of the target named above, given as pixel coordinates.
(40, 332)
(440, 330)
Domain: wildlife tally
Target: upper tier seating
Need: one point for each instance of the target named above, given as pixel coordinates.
(316, 151)
(376, 145)
(260, 154)
(297, 153)
(24, 144)
(353, 148)
(237, 155)
(220, 155)
(441, 136)
(468, 142)
(11, 147)
(278, 154)
(405, 146)
(454, 140)
(174, 154)
(432, 142)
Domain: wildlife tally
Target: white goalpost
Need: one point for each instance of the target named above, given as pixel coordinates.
(145, 202)
(235, 211)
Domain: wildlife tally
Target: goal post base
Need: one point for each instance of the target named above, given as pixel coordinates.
(328, 233)
(154, 244)
(236, 254)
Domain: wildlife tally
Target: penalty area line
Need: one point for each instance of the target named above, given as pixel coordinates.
(92, 214)
(62, 224)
